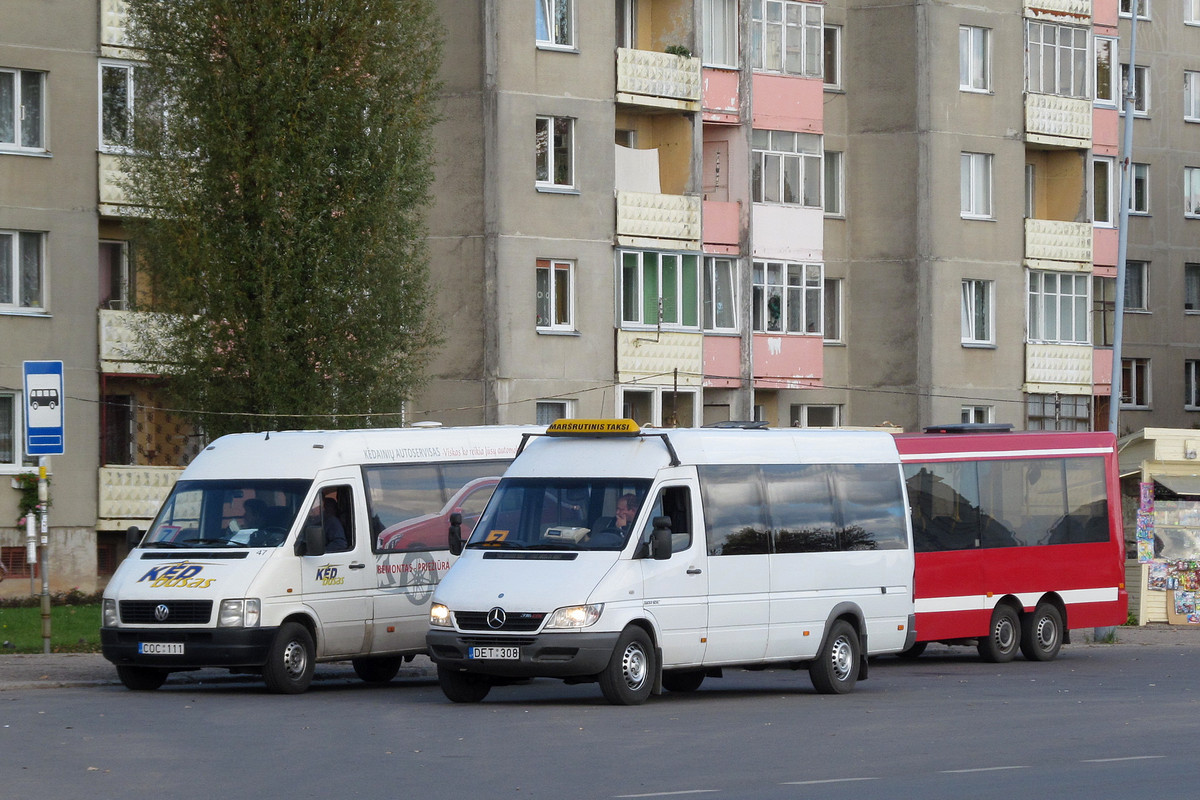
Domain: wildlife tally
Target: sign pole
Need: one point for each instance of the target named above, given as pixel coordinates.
(44, 513)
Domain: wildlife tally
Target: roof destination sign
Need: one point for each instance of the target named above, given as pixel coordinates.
(44, 408)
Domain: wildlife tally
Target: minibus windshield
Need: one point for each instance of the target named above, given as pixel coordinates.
(228, 514)
(561, 514)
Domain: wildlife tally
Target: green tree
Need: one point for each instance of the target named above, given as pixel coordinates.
(282, 166)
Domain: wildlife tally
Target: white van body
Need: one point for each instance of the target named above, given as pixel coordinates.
(244, 566)
(731, 584)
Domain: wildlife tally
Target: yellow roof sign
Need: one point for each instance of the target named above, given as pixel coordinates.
(593, 427)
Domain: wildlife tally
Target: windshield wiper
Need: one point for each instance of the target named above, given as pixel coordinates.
(499, 544)
(204, 541)
(165, 544)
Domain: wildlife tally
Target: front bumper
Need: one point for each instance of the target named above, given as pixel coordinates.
(202, 647)
(545, 655)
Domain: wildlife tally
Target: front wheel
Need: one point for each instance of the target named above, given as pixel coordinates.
(377, 670)
(142, 679)
(835, 670)
(291, 660)
(1004, 636)
(1042, 634)
(463, 687)
(629, 676)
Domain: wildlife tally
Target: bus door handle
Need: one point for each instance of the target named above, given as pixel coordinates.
(694, 571)
(358, 566)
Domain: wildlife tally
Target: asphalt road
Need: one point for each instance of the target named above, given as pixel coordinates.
(1102, 721)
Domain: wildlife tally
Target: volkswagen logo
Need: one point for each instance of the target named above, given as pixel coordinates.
(496, 618)
(161, 612)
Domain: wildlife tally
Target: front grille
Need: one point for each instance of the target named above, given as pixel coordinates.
(178, 612)
(515, 621)
(498, 641)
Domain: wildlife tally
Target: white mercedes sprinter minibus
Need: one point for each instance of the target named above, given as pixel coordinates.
(747, 547)
(278, 550)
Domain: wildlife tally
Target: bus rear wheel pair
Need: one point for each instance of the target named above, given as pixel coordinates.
(1039, 637)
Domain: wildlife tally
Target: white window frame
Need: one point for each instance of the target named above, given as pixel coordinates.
(113, 144)
(974, 59)
(1191, 288)
(800, 412)
(1191, 96)
(1104, 193)
(1075, 414)
(549, 155)
(1135, 383)
(1141, 86)
(833, 183)
(832, 57)
(1067, 62)
(660, 401)
(1191, 12)
(720, 36)
(553, 279)
(1139, 194)
(1191, 385)
(978, 307)
(792, 283)
(17, 404)
(548, 34)
(1137, 285)
(548, 410)
(634, 267)
(1058, 292)
(777, 156)
(978, 414)
(120, 280)
(833, 323)
(1125, 9)
(14, 245)
(975, 185)
(720, 287)
(1191, 192)
(27, 115)
(1105, 54)
(795, 27)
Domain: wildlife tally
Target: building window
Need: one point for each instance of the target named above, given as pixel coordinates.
(550, 410)
(1057, 412)
(555, 23)
(977, 312)
(1191, 287)
(14, 563)
(720, 294)
(978, 415)
(21, 270)
(1139, 196)
(115, 289)
(815, 416)
(1191, 192)
(786, 168)
(1056, 59)
(833, 56)
(832, 329)
(1136, 279)
(787, 36)
(835, 203)
(1104, 62)
(974, 59)
(1191, 12)
(1126, 8)
(120, 429)
(22, 109)
(975, 184)
(1191, 385)
(1058, 307)
(1191, 96)
(1104, 310)
(659, 406)
(1104, 196)
(1141, 88)
(555, 297)
(9, 435)
(720, 20)
(660, 289)
(1135, 383)
(117, 92)
(787, 297)
(555, 152)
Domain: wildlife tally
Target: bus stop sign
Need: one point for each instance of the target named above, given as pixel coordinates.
(44, 408)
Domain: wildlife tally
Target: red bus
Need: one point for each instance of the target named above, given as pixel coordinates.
(1018, 537)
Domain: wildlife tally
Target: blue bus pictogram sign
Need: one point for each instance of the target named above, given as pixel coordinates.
(44, 408)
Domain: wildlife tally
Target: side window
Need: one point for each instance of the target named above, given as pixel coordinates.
(333, 510)
(674, 502)
(801, 508)
(871, 506)
(734, 510)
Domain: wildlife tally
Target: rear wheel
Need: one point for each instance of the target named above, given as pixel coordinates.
(463, 687)
(142, 679)
(682, 680)
(629, 676)
(835, 669)
(1042, 634)
(377, 670)
(1004, 636)
(291, 660)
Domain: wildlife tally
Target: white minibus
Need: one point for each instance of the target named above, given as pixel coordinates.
(275, 551)
(748, 547)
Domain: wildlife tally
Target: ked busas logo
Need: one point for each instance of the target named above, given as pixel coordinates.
(180, 575)
(328, 576)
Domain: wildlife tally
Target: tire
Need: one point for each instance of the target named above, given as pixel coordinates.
(629, 677)
(914, 652)
(682, 680)
(377, 670)
(142, 679)
(291, 660)
(463, 687)
(835, 669)
(1004, 636)
(1042, 633)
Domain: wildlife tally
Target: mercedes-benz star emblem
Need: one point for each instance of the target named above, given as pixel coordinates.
(496, 618)
(161, 612)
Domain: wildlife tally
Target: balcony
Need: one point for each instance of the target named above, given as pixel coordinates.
(661, 221)
(120, 350)
(1055, 120)
(658, 80)
(1063, 368)
(1072, 12)
(132, 495)
(651, 358)
(1058, 245)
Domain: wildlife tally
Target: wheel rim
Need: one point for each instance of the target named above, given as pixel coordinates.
(1046, 633)
(1005, 635)
(842, 658)
(295, 659)
(633, 666)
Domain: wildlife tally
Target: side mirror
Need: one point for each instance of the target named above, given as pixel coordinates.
(311, 541)
(660, 539)
(455, 534)
(133, 536)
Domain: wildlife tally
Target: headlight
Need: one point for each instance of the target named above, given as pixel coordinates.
(575, 616)
(240, 613)
(110, 613)
(439, 616)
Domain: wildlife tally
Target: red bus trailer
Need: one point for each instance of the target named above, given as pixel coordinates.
(1018, 537)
